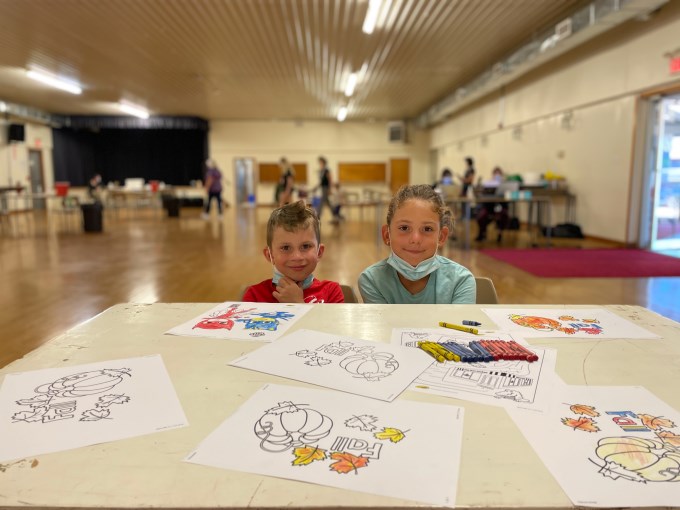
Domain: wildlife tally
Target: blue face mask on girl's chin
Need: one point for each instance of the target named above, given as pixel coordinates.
(409, 272)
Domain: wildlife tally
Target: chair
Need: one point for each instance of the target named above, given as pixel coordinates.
(486, 292)
(348, 293)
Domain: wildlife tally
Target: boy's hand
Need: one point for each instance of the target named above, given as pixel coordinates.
(287, 291)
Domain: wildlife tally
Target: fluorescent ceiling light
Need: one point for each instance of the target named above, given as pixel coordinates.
(342, 113)
(132, 109)
(371, 16)
(54, 81)
(351, 83)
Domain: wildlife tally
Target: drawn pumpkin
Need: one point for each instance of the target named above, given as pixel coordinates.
(372, 366)
(85, 383)
(641, 459)
(289, 426)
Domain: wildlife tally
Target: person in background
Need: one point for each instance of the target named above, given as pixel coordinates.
(284, 189)
(93, 187)
(417, 225)
(468, 176)
(336, 199)
(493, 211)
(294, 249)
(325, 182)
(213, 185)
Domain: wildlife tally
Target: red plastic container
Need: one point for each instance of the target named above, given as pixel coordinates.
(61, 188)
(154, 185)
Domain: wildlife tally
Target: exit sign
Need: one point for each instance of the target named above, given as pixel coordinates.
(674, 65)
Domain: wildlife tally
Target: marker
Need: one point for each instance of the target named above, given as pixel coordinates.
(472, 323)
(466, 329)
(428, 349)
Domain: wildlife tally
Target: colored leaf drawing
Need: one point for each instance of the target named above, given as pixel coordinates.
(656, 422)
(95, 414)
(582, 423)
(394, 435)
(108, 400)
(307, 454)
(346, 463)
(363, 422)
(669, 438)
(584, 409)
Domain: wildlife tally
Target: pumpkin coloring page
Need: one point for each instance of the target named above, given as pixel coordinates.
(341, 441)
(503, 383)
(608, 446)
(592, 323)
(58, 409)
(243, 321)
(370, 369)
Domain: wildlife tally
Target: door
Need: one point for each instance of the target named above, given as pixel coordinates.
(400, 173)
(36, 174)
(661, 213)
(244, 170)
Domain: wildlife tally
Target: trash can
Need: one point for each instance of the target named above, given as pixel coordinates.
(172, 204)
(92, 217)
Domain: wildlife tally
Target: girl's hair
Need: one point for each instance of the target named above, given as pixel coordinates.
(293, 217)
(420, 192)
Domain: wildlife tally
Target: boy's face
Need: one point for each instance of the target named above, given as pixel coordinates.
(295, 254)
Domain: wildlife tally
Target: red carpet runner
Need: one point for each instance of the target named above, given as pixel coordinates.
(574, 263)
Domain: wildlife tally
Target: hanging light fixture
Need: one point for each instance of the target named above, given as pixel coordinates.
(54, 81)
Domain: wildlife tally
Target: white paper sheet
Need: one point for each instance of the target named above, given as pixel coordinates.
(59, 409)
(342, 441)
(565, 323)
(502, 383)
(608, 446)
(243, 321)
(371, 369)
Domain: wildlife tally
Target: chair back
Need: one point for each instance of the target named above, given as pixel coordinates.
(349, 294)
(486, 292)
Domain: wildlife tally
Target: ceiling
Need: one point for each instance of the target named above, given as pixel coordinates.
(258, 59)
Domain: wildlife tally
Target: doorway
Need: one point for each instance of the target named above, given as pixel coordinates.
(660, 220)
(35, 167)
(400, 173)
(244, 177)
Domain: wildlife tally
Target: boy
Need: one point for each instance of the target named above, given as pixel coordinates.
(294, 249)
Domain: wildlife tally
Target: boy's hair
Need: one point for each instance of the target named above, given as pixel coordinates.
(293, 217)
(420, 192)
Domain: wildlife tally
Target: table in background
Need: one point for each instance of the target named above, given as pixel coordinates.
(542, 209)
(499, 469)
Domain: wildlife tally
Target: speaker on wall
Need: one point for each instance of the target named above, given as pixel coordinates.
(17, 133)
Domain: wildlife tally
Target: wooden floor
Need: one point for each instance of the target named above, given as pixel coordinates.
(54, 276)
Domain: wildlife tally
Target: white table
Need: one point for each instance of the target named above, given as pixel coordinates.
(498, 467)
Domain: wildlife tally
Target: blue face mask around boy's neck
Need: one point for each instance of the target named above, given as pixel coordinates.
(304, 284)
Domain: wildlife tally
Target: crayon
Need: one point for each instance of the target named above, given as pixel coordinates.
(463, 355)
(477, 347)
(494, 351)
(428, 349)
(466, 329)
(471, 323)
(451, 356)
(531, 356)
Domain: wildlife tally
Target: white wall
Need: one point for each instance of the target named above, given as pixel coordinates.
(597, 85)
(304, 142)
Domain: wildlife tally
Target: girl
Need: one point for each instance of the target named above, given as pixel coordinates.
(418, 224)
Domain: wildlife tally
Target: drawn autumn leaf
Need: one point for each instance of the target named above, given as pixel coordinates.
(362, 422)
(29, 415)
(307, 454)
(95, 414)
(584, 409)
(656, 422)
(346, 463)
(284, 407)
(582, 423)
(38, 399)
(394, 435)
(108, 400)
(669, 438)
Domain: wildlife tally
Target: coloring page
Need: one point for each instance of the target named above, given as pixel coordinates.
(371, 369)
(243, 321)
(504, 383)
(565, 323)
(57, 409)
(608, 446)
(342, 441)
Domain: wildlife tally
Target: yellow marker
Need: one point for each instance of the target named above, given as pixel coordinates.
(432, 352)
(474, 331)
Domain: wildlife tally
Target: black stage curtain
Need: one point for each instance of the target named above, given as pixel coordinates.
(174, 156)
